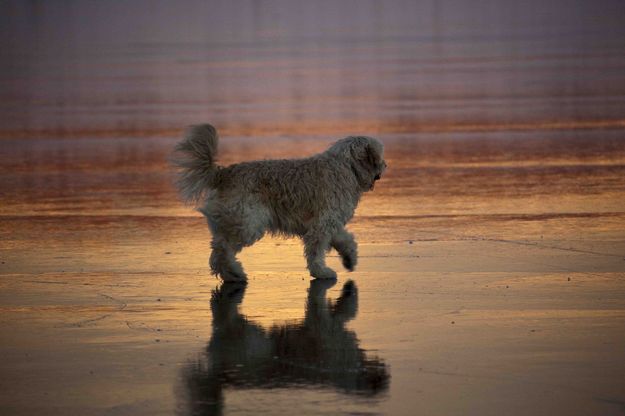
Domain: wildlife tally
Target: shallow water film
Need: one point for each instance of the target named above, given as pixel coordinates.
(491, 273)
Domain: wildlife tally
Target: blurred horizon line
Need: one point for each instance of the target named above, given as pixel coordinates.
(318, 128)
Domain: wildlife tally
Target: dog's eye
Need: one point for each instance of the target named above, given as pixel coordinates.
(377, 177)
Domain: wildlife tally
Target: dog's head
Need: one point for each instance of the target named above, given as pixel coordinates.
(365, 156)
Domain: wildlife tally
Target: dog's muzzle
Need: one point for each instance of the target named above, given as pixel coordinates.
(375, 178)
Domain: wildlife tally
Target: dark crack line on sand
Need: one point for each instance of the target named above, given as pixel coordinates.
(614, 402)
(39, 282)
(122, 305)
(512, 379)
(559, 268)
(144, 327)
(80, 324)
(567, 269)
(536, 263)
(119, 302)
(522, 243)
(538, 245)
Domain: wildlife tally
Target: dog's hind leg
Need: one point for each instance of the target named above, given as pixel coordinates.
(223, 262)
(315, 246)
(343, 242)
(234, 226)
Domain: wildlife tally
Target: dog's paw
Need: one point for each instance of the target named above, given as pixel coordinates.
(323, 273)
(231, 276)
(349, 260)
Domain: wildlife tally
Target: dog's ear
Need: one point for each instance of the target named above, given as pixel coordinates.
(364, 163)
(372, 157)
(369, 158)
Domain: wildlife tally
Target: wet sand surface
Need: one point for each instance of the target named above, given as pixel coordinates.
(491, 276)
(483, 286)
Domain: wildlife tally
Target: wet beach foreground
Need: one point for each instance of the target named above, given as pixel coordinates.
(481, 288)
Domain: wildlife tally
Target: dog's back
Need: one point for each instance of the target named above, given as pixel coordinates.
(290, 192)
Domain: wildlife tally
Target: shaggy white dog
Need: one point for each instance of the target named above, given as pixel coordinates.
(312, 198)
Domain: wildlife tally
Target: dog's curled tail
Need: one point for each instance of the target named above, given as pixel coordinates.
(195, 159)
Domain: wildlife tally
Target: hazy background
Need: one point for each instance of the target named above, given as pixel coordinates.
(293, 67)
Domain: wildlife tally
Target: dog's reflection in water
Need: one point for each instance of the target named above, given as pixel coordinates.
(318, 351)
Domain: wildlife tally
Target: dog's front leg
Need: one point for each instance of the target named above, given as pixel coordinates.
(315, 246)
(343, 242)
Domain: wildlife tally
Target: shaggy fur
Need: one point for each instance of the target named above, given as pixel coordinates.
(311, 198)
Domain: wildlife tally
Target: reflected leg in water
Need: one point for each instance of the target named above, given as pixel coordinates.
(317, 351)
